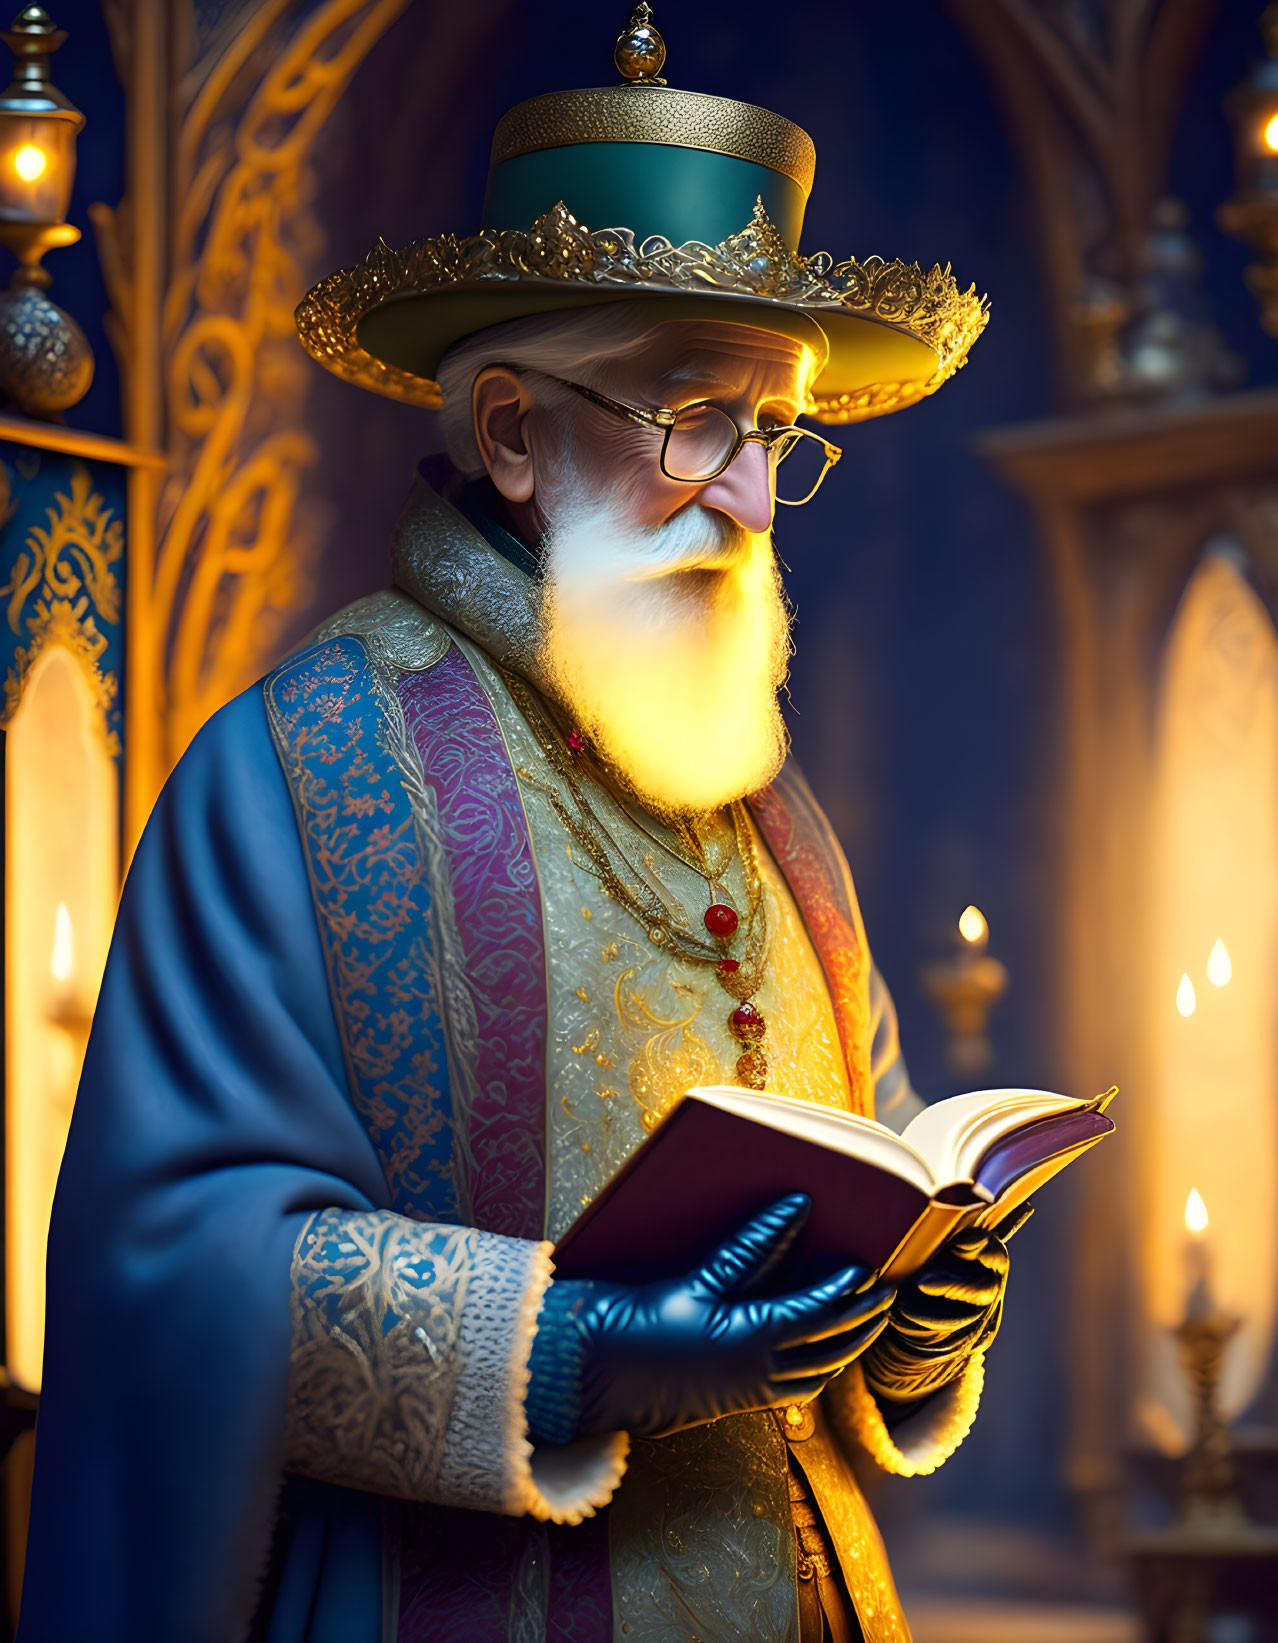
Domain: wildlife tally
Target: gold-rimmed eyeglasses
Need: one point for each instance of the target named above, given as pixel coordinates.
(702, 441)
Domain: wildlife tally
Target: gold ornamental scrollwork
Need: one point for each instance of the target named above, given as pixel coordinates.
(64, 582)
(672, 1057)
(234, 543)
(754, 262)
(234, 556)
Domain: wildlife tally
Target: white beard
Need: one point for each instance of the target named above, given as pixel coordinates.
(669, 646)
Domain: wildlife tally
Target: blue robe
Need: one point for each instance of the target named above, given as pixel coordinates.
(213, 1118)
(222, 1117)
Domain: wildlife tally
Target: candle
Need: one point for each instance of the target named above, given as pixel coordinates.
(62, 958)
(1220, 969)
(1198, 1258)
(67, 1006)
(973, 928)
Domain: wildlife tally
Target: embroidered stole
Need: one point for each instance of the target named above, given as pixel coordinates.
(430, 914)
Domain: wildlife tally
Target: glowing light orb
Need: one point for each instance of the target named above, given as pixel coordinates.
(1186, 997)
(1195, 1212)
(30, 162)
(1220, 968)
(1270, 134)
(972, 925)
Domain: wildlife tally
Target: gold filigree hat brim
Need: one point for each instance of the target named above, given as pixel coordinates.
(894, 332)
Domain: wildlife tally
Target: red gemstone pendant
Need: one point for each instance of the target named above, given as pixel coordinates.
(576, 742)
(747, 1023)
(721, 921)
(728, 966)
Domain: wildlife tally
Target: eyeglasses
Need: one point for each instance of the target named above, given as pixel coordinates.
(702, 441)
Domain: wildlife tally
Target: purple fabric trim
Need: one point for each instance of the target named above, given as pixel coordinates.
(497, 907)
(462, 1574)
(580, 1607)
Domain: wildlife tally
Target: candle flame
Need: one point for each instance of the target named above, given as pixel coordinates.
(1186, 998)
(62, 959)
(1195, 1212)
(30, 162)
(1220, 968)
(972, 925)
(1270, 134)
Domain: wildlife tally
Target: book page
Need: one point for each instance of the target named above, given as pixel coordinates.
(844, 1132)
(979, 1134)
(952, 1134)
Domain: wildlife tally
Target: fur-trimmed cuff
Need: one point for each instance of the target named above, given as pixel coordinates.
(557, 1484)
(486, 1452)
(921, 1442)
(408, 1373)
(572, 1482)
(487, 1448)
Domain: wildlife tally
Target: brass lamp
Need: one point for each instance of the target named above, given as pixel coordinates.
(965, 988)
(1252, 214)
(46, 363)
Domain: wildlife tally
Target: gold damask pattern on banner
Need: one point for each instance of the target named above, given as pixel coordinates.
(234, 551)
(65, 582)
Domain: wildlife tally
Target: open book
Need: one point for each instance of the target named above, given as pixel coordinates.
(879, 1199)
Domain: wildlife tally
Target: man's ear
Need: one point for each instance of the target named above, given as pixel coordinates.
(501, 405)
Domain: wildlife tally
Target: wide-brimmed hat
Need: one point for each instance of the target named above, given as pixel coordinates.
(705, 196)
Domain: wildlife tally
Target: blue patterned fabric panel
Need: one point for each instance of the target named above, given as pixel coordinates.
(373, 897)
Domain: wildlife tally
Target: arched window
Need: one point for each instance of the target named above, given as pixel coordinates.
(1213, 1020)
(61, 880)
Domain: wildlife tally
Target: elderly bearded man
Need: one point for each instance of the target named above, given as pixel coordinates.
(431, 928)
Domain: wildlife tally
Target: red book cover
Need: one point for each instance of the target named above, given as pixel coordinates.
(705, 1172)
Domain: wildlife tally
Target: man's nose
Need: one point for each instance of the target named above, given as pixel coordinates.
(744, 490)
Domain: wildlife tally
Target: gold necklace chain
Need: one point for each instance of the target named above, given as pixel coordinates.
(740, 977)
(696, 855)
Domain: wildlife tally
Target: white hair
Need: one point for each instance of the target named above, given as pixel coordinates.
(579, 341)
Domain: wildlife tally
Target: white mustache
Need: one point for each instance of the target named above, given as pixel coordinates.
(696, 539)
(706, 558)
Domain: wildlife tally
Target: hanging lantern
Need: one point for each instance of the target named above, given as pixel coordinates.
(46, 363)
(1252, 214)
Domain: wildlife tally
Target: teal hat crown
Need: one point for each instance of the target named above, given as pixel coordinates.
(642, 190)
(656, 160)
(674, 163)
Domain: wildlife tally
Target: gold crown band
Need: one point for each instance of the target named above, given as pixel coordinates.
(658, 114)
(754, 264)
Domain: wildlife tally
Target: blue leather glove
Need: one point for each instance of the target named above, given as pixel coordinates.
(662, 1356)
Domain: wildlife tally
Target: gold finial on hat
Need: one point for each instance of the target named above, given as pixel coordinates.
(640, 51)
